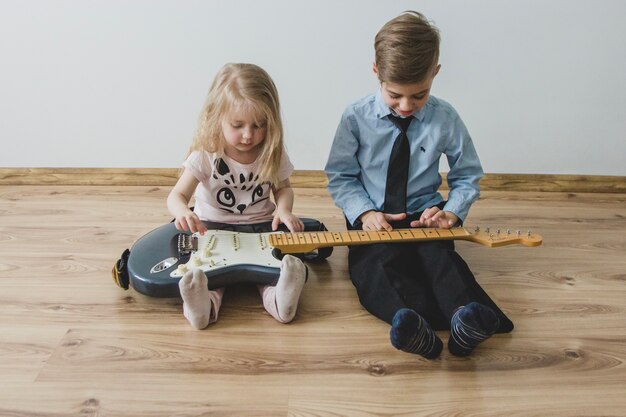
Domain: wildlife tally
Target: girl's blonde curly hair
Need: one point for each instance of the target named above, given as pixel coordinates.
(242, 86)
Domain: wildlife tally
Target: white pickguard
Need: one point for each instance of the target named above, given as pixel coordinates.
(219, 249)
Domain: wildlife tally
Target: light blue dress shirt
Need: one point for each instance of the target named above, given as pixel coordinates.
(359, 156)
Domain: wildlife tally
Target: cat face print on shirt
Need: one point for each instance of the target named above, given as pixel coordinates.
(239, 192)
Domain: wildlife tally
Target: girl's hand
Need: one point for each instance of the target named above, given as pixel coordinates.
(377, 220)
(283, 195)
(435, 217)
(190, 222)
(177, 203)
(293, 223)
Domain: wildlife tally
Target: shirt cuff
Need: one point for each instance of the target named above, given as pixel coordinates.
(353, 213)
(460, 210)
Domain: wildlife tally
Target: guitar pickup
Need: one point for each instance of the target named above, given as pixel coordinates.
(187, 244)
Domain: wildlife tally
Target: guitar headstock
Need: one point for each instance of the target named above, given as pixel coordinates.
(498, 237)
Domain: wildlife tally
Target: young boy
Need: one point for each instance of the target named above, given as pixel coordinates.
(382, 182)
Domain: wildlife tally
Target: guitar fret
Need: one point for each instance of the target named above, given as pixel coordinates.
(373, 235)
(395, 234)
(346, 237)
(406, 234)
(444, 232)
(418, 233)
(459, 231)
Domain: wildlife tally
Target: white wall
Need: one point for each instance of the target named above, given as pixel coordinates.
(541, 84)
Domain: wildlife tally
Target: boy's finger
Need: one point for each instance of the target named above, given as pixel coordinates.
(415, 223)
(394, 217)
(386, 226)
(438, 215)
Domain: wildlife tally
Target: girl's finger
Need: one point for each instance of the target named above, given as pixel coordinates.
(200, 226)
(183, 224)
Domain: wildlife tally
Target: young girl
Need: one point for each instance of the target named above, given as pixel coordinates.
(236, 159)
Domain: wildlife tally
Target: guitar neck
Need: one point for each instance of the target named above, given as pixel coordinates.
(308, 241)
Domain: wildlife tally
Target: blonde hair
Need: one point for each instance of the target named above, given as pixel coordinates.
(407, 49)
(239, 86)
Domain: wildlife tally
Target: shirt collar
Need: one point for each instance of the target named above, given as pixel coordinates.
(382, 110)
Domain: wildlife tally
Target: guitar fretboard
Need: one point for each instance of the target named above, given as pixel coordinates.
(308, 241)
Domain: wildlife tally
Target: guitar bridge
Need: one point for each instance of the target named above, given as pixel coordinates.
(187, 244)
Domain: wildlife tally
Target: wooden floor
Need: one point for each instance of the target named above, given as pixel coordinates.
(74, 344)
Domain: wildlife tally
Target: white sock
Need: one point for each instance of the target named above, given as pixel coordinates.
(196, 300)
(289, 287)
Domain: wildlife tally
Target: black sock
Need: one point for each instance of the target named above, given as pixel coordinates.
(411, 333)
(471, 325)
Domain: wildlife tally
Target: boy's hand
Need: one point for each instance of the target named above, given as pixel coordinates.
(293, 223)
(434, 217)
(377, 220)
(190, 222)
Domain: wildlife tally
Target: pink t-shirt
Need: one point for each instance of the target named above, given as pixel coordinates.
(228, 191)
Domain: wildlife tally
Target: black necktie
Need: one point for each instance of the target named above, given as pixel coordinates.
(398, 171)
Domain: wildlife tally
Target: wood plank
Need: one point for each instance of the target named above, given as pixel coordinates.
(302, 179)
(73, 343)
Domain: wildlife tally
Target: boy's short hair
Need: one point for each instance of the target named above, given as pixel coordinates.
(407, 49)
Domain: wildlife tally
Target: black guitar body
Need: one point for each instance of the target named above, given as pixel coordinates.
(158, 254)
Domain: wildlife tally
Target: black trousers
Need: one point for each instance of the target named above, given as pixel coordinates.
(429, 277)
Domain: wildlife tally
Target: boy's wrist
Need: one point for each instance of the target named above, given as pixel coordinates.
(365, 215)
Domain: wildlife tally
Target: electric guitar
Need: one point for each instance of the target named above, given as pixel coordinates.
(159, 259)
